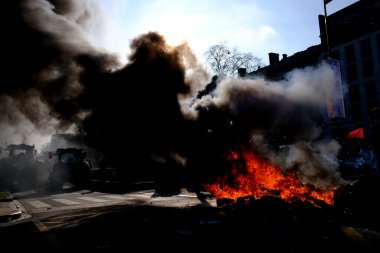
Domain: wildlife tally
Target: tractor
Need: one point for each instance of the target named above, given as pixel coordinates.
(20, 169)
(71, 166)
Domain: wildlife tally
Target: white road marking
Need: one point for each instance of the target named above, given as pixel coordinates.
(66, 201)
(115, 197)
(139, 196)
(187, 196)
(38, 204)
(93, 199)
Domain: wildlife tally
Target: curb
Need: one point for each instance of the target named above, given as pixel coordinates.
(11, 211)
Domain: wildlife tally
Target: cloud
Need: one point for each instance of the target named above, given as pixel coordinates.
(266, 32)
(200, 23)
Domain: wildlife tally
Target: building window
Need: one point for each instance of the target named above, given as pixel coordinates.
(365, 48)
(367, 66)
(372, 100)
(354, 94)
(370, 89)
(373, 109)
(356, 113)
(366, 57)
(354, 97)
(378, 45)
(350, 53)
(352, 74)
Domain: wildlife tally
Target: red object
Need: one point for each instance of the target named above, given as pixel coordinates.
(356, 133)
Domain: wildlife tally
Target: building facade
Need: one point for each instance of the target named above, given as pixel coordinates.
(354, 39)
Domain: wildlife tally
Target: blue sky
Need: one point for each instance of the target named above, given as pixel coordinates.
(256, 26)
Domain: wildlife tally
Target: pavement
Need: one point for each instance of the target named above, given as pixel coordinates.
(11, 211)
(168, 222)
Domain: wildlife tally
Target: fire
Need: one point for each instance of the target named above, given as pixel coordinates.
(254, 176)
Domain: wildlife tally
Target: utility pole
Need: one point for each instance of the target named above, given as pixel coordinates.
(325, 2)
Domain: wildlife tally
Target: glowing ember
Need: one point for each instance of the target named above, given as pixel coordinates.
(254, 176)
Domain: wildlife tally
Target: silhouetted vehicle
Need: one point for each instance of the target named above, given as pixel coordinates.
(20, 170)
(72, 165)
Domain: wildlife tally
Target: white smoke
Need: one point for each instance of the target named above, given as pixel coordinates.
(292, 110)
(17, 128)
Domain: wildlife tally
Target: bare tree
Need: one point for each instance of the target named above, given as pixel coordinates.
(226, 61)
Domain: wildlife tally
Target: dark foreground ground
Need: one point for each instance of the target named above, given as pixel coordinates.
(267, 225)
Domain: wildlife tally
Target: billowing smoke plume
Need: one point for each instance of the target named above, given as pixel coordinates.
(42, 41)
(145, 117)
(282, 121)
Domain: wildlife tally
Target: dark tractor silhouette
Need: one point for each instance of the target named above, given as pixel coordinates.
(71, 166)
(20, 169)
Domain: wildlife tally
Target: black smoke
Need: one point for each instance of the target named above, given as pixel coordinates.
(55, 80)
(41, 43)
(135, 110)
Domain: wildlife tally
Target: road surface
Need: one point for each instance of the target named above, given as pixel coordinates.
(95, 221)
(35, 202)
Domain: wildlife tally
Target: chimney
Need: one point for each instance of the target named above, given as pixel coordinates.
(242, 72)
(284, 56)
(273, 58)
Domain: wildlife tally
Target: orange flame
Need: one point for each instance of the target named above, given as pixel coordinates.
(260, 179)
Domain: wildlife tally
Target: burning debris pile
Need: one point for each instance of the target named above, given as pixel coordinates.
(257, 178)
(55, 80)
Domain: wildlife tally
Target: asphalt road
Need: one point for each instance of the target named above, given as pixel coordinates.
(35, 202)
(93, 221)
